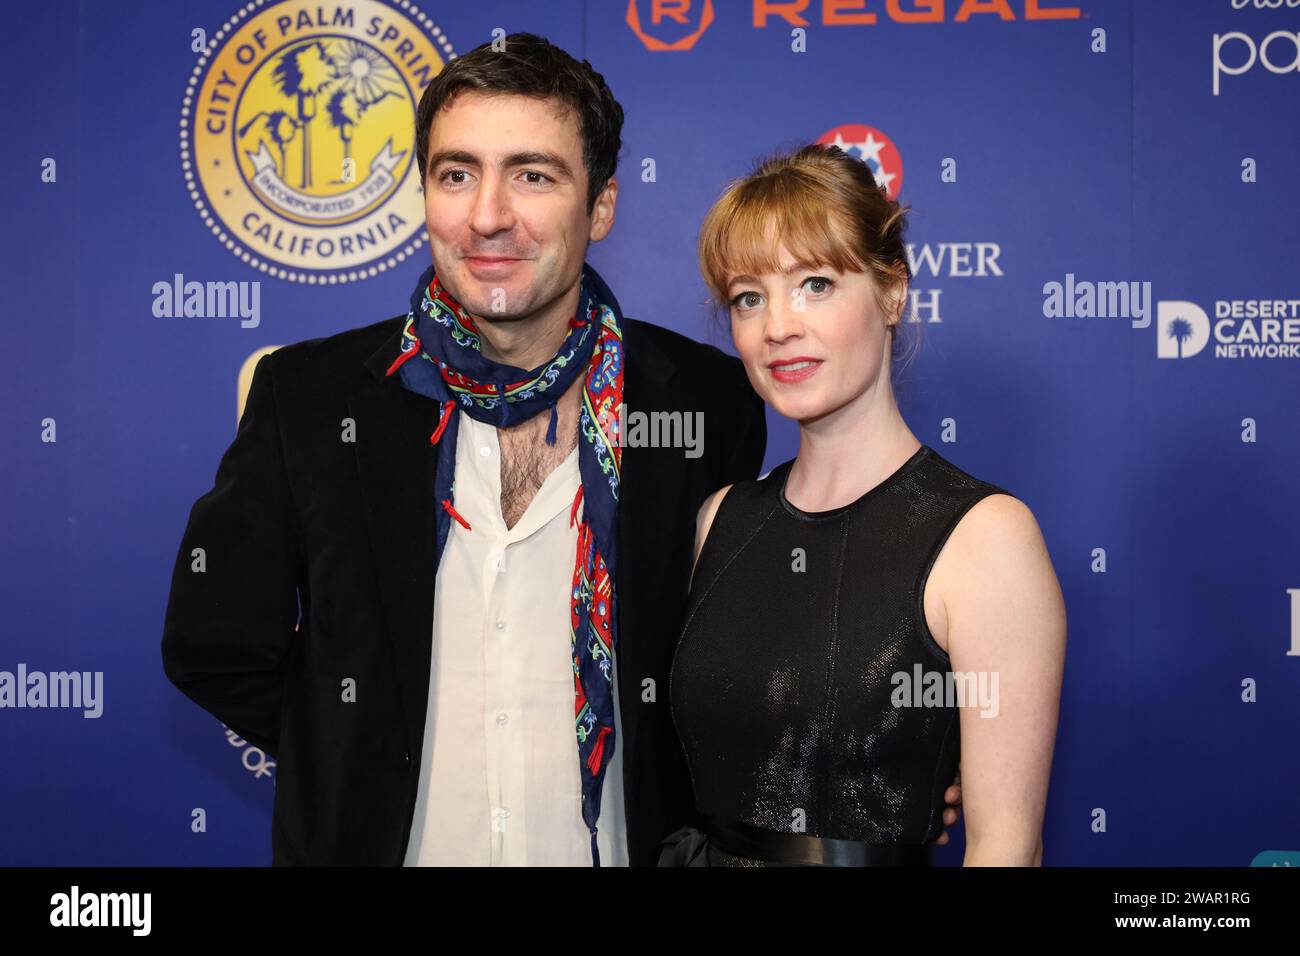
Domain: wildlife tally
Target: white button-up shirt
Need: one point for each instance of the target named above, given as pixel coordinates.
(499, 782)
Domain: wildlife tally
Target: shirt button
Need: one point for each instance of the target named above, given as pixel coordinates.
(485, 451)
(501, 625)
(502, 720)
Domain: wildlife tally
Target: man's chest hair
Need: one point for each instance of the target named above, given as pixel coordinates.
(526, 458)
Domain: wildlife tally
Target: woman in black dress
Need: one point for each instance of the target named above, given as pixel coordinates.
(867, 613)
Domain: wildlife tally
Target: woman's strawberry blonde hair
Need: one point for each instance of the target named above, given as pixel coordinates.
(826, 208)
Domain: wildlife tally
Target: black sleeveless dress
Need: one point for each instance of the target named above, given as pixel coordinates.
(782, 680)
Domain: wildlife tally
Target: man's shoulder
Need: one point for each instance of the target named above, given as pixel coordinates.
(699, 377)
(703, 373)
(700, 361)
(342, 354)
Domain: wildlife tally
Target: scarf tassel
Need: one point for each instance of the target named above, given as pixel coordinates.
(573, 512)
(550, 428)
(598, 751)
(397, 362)
(443, 418)
(446, 506)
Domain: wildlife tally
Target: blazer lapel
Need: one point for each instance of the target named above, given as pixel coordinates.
(396, 465)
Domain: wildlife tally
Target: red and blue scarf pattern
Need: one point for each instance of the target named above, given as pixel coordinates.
(441, 358)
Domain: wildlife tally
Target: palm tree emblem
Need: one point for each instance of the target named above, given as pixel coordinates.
(352, 77)
(1180, 330)
(302, 73)
(280, 128)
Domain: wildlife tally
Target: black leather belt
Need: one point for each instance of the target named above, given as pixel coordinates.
(800, 849)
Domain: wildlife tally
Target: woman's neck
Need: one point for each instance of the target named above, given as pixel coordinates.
(845, 454)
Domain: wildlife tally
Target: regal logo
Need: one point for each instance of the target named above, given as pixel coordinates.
(669, 16)
(296, 135)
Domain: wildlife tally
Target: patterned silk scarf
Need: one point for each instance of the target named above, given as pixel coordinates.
(448, 366)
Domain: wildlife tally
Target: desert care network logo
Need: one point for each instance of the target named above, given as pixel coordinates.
(1242, 328)
(70, 690)
(295, 135)
(676, 25)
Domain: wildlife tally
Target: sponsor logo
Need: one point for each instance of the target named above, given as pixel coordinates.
(850, 13)
(872, 147)
(1279, 53)
(669, 24)
(1242, 328)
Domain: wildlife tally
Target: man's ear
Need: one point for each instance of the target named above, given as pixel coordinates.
(602, 213)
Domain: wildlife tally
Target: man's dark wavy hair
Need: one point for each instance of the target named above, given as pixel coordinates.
(532, 66)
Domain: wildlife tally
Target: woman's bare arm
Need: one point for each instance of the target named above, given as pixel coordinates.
(1006, 626)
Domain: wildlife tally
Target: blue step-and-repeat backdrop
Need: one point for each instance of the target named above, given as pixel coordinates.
(1106, 240)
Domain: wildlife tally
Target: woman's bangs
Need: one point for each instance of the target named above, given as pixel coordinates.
(750, 238)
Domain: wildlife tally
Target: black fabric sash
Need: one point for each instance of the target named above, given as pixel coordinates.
(800, 849)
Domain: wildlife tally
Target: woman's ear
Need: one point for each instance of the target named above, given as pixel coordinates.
(896, 297)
